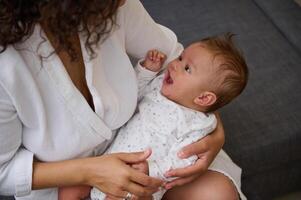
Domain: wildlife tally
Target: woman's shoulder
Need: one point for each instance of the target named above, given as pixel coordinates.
(10, 62)
(131, 7)
(9, 55)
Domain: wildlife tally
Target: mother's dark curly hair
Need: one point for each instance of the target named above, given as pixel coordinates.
(65, 18)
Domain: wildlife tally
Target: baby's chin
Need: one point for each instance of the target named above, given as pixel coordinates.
(163, 91)
(169, 93)
(166, 92)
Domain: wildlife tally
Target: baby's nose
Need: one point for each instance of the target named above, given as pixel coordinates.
(174, 66)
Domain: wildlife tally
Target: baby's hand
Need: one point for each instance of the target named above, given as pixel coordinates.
(154, 60)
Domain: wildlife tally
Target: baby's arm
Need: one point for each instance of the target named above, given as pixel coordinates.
(147, 69)
(73, 193)
(160, 165)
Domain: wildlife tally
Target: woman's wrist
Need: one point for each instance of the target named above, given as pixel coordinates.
(85, 167)
(57, 174)
(219, 133)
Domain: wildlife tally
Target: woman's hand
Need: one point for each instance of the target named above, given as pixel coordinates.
(114, 176)
(206, 149)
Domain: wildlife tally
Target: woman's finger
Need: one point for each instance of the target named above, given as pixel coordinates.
(144, 179)
(116, 194)
(110, 197)
(180, 181)
(198, 167)
(195, 148)
(138, 190)
(132, 188)
(135, 157)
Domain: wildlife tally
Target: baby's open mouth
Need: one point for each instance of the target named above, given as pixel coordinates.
(167, 77)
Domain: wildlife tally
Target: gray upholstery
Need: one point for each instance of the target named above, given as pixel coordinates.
(263, 126)
(6, 198)
(286, 16)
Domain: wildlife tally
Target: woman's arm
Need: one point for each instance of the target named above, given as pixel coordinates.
(15, 161)
(111, 174)
(206, 149)
(143, 34)
(19, 174)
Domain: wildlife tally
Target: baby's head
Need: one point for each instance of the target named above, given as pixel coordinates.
(207, 75)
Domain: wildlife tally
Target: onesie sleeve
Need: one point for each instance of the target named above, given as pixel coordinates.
(143, 34)
(187, 133)
(193, 129)
(144, 76)
(15, 161)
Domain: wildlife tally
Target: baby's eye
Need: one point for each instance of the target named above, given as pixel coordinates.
(187, 69)
(180, 58)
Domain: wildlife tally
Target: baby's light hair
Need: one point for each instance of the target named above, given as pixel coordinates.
(233, 69)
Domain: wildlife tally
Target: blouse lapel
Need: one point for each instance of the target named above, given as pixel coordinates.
(73, 99)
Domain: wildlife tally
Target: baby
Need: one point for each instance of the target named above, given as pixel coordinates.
(176, 107)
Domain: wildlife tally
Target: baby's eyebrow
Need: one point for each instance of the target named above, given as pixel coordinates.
(189, 63)
(193, 66)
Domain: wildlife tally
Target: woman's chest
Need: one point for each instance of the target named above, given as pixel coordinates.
(107, 82)
(60, 119)
(76, 71)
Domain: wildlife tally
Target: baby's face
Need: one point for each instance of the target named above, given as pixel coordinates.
(188, 75)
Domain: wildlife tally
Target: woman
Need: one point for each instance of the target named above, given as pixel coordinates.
(67, 85)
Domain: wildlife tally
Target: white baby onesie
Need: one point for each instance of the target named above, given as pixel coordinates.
(165, 127)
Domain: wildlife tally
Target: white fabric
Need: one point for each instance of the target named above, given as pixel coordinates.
(223, 164)
(163, 126)
(43, 114)
(166, 127)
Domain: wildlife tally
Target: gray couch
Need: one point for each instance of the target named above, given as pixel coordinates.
(263, 126)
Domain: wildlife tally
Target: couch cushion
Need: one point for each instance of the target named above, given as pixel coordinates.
(298, 2)
(286, 16)
(6, 198)
(287, 177)
(263, 129)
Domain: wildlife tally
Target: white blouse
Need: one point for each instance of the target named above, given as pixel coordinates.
(43, 115)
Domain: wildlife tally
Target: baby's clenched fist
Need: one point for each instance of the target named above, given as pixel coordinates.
(154, 60)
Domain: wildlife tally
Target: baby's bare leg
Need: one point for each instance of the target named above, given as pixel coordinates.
(73, 192)
(210, 185)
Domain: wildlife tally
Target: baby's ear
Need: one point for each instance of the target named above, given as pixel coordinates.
(205, 99)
